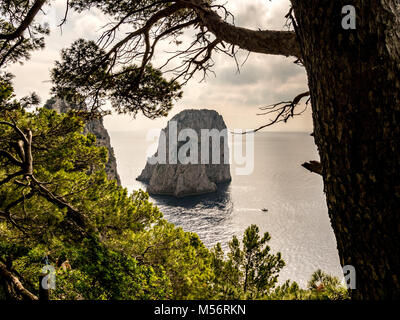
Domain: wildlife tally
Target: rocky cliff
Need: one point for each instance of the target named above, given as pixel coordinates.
(198, 177)
(97, 128)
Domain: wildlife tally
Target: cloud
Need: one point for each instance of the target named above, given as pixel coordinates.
(251, 15)
(88, 25)
(260, 70)
(261, 14)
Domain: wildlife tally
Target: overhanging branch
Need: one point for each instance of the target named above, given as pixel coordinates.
(265, 41)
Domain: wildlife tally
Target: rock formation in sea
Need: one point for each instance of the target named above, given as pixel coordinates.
(95, 127)
(179, 179)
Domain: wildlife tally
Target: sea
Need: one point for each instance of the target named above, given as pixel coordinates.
(296, 217)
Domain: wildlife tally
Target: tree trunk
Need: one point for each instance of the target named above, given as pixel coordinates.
(354, 80)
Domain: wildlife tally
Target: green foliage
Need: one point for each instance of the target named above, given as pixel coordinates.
(7, 96)
(183, 257)
(326, 287)
(320, 287)
(84, 74)
(128, 251)
(251, 271)
(18, 48)
(6, 89)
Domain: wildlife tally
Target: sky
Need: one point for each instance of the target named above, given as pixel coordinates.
(263, 79)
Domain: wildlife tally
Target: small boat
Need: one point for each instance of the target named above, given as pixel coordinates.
(264, 210)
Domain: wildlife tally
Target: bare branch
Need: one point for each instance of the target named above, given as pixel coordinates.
(65, 16)
(283, 111)
(146, 28)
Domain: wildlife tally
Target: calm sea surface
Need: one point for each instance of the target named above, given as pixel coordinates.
(297, 217)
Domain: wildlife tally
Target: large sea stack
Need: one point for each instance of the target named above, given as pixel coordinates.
(95, 127)
(179, 179)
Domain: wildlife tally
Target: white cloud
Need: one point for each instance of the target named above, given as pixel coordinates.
(88, 25)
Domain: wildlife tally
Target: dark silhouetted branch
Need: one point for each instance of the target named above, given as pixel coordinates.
(313, 166)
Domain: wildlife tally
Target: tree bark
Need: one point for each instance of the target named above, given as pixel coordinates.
(354, 80)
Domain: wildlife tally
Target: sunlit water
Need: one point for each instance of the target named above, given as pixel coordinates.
(297, 217)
